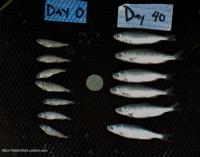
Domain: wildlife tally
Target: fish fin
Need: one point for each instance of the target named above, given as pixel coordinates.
(179, 54)
(176, 107)
(172, 38)
(170, 91)
(167, 138)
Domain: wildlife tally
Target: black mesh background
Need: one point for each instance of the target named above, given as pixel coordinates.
(92, 51)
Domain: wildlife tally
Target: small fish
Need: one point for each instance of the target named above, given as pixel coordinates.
(144, 110)
(140, 38)
(137, 91)
(49, 72)
(51, 44)
(146, 56)
(135, 132)
(52, 116)
(51, 87)
(137, 76)
(52, 59)
(57, 102)
(52, 132)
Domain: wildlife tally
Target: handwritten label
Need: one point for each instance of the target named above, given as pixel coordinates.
(74, 11)
(150, 16)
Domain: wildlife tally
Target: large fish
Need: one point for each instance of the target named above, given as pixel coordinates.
(52, 59)
(135, 132)
(57, 102)
(49, 115)
(49, 72)
(51, 87)
(137, 91)
(137, 76)
(144, 110)
(140, 38)
(52, 132)
(50, 43)
(146, 56)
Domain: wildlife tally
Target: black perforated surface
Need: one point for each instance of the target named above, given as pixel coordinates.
(92, 51)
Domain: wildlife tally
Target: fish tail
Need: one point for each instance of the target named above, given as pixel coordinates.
(171, 38)
(179, 54)
(170, 91)
(175, 107)
(167, 138)
(170, 77)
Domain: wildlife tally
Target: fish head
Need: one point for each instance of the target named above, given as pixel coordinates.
(42, 115)
(118, 76)
(45, 101)
(120, 110)
(42, 126)
(121, 55)
(115, 90)
(117, 36)
(111, 128)
(44, 42)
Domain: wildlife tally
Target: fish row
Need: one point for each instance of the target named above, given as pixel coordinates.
(52, 87)
(134, 88)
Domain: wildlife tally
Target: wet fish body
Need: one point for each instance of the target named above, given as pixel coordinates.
(52, 116)
(137, 76)
(52, 59)
(49, 72)
(50, 43)
(137, 91)
(135, 132)
(57, 102)
(51, 87)
(146, 56)
(141, 38)
(144, 110)
(52, 132)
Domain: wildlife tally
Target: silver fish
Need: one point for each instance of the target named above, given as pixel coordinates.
(146, 56)
(144, 110)
(51, 87)
(137, 91)
(57, 102)
(137, 76)
(51, 59)
(52, 116)
(139, 38)
(50, 43)
(52, 132)
(49, 72)
(135, 132)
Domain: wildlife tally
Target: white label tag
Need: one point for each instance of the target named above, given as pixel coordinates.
(149, 16)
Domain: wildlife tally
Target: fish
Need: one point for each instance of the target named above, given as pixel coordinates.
(50, 43)
(146, 56)
(52, 59)
(49, 115)
(57, 102)
(135, 132)
(51, 87)
(49, 72)
(138, 75)
(138, 91)
(52, 132)
(141, 38)
(144, 110)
